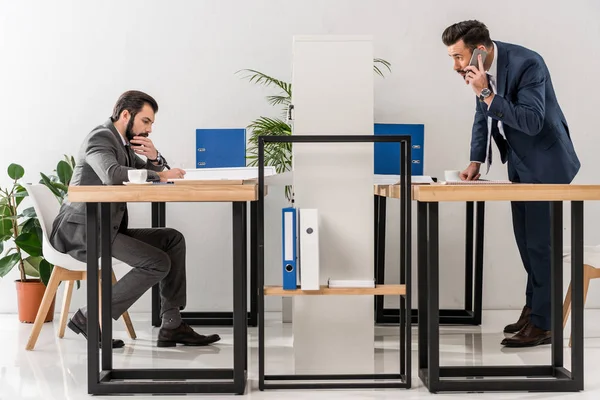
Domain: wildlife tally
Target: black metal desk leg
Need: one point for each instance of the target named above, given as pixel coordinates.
(471, 314)
(253, 318)
(239, 296)
(479, 234)
(433, 300)
(556, 222)
(92, 297)
(422, 282)
(158, 221)
(577, 293)
(106, 251)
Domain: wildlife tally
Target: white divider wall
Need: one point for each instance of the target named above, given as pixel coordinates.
(333, 95)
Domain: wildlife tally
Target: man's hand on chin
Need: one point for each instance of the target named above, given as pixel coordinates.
(471, 173)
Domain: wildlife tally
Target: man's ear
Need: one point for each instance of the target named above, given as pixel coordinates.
(125, 115)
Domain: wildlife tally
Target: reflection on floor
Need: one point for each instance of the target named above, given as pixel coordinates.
(56, 369)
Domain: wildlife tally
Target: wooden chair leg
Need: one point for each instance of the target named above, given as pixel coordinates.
(588, 273)
(567, 306)
(126, 318)
(64, 314)
(49, 293)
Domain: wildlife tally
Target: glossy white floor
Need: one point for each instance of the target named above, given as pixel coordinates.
(56, 369)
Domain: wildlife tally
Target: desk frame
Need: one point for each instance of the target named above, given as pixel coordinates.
(211, 318)
(343, 381)
(103, 378)
(552, 378)
(471, 314)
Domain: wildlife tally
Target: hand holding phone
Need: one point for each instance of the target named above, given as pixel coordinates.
(474, 58)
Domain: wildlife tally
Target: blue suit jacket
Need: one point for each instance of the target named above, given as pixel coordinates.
(538, 144)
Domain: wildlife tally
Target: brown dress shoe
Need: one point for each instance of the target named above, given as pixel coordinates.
(529, 336)
(78, 324)
(520, 324)
(185, 335)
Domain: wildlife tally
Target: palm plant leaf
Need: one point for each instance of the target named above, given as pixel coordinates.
(383, 62)
(260, 78)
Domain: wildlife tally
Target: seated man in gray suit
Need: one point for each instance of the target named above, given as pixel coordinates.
(155, 255)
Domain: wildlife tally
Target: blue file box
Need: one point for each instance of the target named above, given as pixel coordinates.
(220, 148)
(387, 155)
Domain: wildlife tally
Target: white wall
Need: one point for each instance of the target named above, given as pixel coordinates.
(64, 63)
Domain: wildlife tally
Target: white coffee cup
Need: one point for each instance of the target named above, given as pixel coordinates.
(452, 175)
(137, 175)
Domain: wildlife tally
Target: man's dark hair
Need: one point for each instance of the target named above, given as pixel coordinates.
(133, 101)
(473, 33)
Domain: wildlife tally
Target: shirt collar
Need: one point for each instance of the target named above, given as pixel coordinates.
(122, 138)
(493, 71)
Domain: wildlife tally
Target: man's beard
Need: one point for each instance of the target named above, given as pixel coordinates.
(129, 130)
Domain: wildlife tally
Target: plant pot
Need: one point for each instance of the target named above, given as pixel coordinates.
(29, 296)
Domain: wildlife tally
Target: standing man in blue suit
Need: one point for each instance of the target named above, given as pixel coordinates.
(517, 107)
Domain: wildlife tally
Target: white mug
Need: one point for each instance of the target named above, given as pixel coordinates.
(137, 175)
(452, 175)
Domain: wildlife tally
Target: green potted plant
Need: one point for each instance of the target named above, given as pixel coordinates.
(279, 155)
(21, 238)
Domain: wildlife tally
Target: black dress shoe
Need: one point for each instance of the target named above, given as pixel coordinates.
(520, 324)
(78, 324)
(185, 335)
(529, 336)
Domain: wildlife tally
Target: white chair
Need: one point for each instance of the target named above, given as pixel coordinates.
(66, 268)
(591, 257)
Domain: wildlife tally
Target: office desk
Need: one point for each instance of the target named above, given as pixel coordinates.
(474, 233)
(115, 381)
(554, 377)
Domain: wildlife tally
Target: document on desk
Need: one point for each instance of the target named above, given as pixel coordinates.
(477, 182)
(233, 173)
(395, 179)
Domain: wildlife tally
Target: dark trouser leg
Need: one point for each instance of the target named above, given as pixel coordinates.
(519, 218)
(537, 221)
(155, 255)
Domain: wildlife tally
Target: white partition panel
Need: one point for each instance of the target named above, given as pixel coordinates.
(333, 95)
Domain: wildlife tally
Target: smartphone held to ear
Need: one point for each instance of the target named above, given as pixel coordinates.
(474, 58)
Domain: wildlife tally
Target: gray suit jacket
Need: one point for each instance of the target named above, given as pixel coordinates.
(102, 160)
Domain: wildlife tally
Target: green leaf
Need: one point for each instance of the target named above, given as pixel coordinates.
(20, 194)
(276, 100)
(7, 263)
(1, 246)
(15, 171)
(30, 225)
(59, 186)
(29, 213)
(32, 266)
(48, 183)
(260, 78)
(382, 62)
(5, 226)
(64, 172)
(30, 243)
(45, 271)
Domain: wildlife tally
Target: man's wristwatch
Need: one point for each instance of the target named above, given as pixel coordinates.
(158, 158)
(485, 93)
